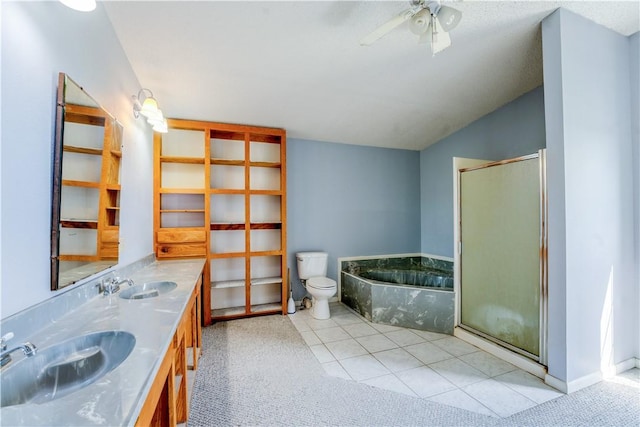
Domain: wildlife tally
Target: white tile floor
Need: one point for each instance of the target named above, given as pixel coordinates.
(433, 366)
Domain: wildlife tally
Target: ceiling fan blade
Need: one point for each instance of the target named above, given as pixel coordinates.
(389, 26)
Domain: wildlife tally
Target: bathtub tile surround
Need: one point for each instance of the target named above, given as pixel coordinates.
(413, 308)
(408, 291)
(402, 262)
(424, 364)
(356, 293)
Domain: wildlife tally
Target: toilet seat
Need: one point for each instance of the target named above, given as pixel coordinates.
(321, 283)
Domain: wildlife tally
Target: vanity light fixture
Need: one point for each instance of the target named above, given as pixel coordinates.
(146, 105)
(80, 5)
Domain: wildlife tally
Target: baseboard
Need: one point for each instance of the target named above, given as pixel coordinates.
(554, 382)
(521, 362)
(591, 379)
(630, 363)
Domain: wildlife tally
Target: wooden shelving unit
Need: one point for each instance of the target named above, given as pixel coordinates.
(220, 193)
(92, 143)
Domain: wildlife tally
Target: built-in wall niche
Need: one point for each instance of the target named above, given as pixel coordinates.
(182, 154)
(264, 240)
(228, 286)
(266, 283)
(227, 150)
(81, 204)
(86, 187)
(179, 210)
(265, 209)
(227, 240)
(227, 209)
(79, 241)
(264, 173)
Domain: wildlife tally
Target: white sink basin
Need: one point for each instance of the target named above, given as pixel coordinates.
(147, 290)
(64, 368)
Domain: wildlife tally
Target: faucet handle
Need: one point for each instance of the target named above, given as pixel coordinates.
(3, 340)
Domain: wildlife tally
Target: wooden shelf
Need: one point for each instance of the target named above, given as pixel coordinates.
(265, 164)
(226, 191)
(224, 284)
(79, 223)
(214, 255)
(234, 158)
(178, 159)
(266, 308)
(85, 184)
(240, 283)
(182, 210)
(104, 147)
(221, 226)
(239, 162)
(181, 191)
(82, 150)
(227, 162)
(275, 225)
(265, 281)
(266, 192)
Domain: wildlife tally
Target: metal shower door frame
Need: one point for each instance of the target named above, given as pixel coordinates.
(543, 245)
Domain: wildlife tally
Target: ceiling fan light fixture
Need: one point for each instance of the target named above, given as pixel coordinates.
(449, 17)
(423, 16)
(419, 24)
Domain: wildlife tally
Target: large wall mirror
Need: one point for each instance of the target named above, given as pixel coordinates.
(85, 214)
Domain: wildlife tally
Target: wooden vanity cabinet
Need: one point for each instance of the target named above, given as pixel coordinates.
(167, 403)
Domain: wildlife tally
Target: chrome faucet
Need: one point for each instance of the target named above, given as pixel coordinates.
(5, 357)
(111, 285)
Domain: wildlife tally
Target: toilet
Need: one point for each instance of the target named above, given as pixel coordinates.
(312, 270)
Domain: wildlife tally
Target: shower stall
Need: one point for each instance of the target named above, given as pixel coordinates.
(502, 252)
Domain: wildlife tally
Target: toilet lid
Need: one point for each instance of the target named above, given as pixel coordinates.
(321, 282)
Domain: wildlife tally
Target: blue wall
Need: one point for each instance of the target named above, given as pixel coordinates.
(350, 200)
(515, 129)
(590, 176)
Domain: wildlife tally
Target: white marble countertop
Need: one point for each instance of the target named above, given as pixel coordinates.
(117, 398)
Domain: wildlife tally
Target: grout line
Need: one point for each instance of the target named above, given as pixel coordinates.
(305, 316)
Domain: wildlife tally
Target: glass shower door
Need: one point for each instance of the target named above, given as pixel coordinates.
(500, 271)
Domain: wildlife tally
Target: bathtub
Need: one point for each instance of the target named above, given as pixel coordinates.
(411, 291)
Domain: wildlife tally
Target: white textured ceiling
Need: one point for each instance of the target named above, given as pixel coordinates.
(299, 66)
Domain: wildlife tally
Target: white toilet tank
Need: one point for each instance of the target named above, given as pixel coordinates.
(312, 264)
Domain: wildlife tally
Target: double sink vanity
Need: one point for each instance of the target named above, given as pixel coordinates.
(119, 356)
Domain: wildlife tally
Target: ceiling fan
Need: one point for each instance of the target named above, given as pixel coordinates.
(427, 19)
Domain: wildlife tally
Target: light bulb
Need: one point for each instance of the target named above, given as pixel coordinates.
(80, 5)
